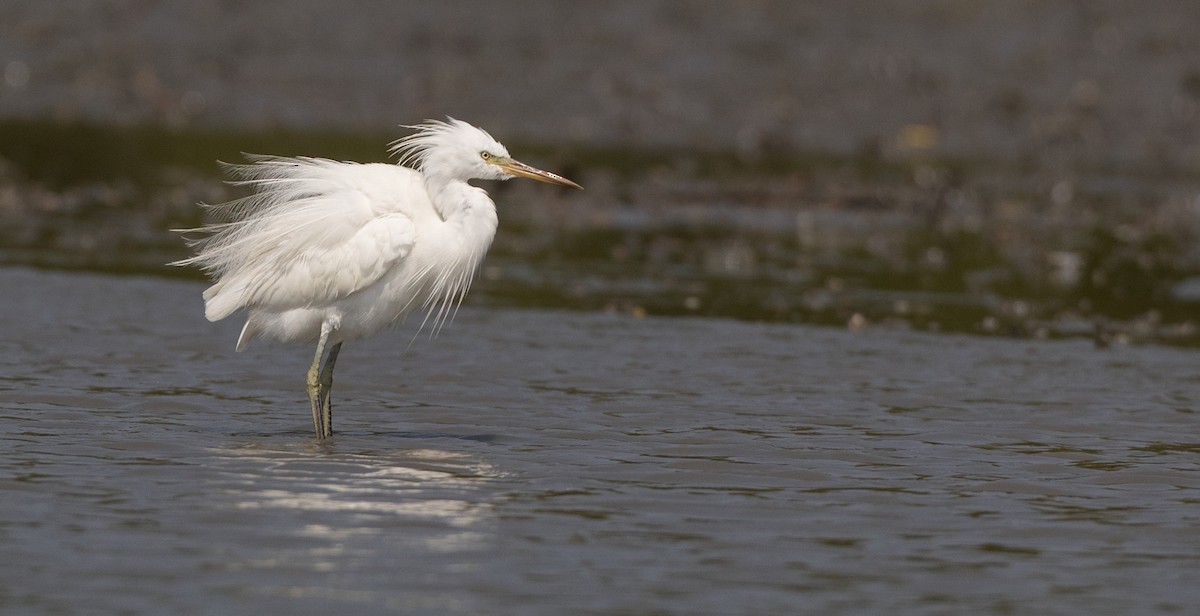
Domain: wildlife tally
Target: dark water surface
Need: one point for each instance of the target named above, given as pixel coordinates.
(570, 463)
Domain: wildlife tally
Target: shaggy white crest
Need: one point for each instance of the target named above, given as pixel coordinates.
(452, 148)
(331, 251)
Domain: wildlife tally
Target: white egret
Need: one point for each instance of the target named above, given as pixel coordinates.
(330, 252)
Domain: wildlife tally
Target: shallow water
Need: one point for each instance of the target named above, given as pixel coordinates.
(548, 463)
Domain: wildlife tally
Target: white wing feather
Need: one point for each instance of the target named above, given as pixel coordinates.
(309, 221)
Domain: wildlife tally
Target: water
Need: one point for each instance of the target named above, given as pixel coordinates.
(550, 463)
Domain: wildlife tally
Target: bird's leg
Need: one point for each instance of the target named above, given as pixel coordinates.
(314, 383)
(326, 383)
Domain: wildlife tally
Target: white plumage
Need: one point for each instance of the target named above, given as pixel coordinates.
(327, 252)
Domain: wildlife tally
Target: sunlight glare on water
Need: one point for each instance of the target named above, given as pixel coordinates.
(549, 462)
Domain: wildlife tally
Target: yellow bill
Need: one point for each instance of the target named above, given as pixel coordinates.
(518, 168)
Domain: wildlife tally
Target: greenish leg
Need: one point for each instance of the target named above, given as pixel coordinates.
(314, 384)
(326, 385)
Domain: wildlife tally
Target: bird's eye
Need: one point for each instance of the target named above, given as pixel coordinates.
(485, 155)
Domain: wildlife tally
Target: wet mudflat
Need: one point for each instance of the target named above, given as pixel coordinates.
(531, 462)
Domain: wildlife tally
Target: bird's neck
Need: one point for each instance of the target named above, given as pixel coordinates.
(470, 220)
(454, 199)
(462, 204)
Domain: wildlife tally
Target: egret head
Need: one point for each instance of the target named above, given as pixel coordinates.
(456, 150)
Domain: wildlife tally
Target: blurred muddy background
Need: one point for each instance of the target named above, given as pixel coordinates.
(1019, 168)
